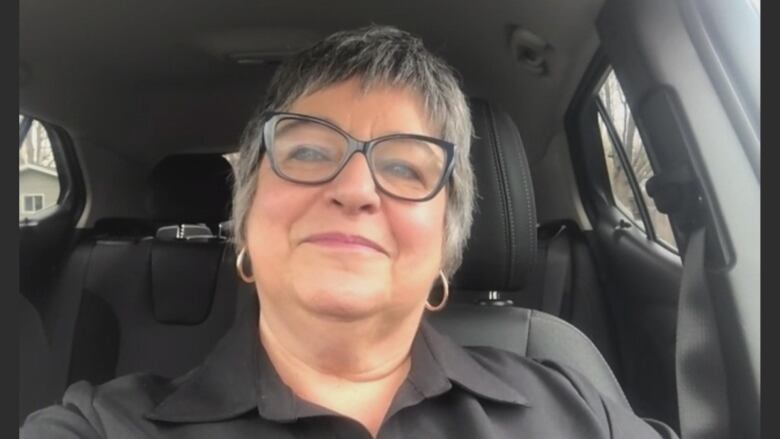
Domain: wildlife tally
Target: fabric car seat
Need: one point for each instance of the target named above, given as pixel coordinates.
(499, 257)
(159, 303)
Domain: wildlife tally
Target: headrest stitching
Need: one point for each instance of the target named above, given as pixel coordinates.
(528, 200)
(505, 198)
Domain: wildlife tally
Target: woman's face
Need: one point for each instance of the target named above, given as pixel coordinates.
(300, 260)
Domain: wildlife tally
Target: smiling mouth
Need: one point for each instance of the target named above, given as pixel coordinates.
(343, 241)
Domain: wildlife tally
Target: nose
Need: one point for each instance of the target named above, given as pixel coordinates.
(353, 189)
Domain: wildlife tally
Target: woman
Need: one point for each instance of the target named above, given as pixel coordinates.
(353, 199)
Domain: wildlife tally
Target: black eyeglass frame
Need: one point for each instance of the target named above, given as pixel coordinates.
(354, 146)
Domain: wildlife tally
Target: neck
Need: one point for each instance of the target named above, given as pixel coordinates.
(358, 351)
(351, 367)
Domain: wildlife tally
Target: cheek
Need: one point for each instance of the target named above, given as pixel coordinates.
(273, 210)
(419, 231)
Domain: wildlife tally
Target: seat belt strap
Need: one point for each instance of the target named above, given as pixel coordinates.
(701, 378)
(556, 273)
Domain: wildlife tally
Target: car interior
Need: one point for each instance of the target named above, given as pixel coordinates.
(616, 152)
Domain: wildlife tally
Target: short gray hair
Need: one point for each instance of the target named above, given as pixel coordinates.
(376, 55)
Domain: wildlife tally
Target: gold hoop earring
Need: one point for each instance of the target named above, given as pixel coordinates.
(446, 294)
(240, 267)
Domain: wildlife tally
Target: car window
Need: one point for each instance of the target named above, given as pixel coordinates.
(621, 189)
(39, 184)
(618, 130)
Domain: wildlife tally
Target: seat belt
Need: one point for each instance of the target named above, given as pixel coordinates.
(701, 377)
(556, 273)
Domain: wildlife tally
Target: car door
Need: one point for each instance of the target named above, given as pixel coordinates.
(636, 241)
(50, 200)
(689, 74)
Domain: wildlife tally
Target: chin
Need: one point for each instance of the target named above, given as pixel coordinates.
(345, 299)
(341, 287)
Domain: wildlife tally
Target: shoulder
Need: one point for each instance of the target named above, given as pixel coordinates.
(542, 381)
(519, 370)
(89, 411)
(555, 387)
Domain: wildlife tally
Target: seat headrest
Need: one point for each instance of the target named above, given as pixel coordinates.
(191, 188)
(188, 232)
(502, 248)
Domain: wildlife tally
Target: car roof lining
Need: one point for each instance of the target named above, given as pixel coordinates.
(151, 79)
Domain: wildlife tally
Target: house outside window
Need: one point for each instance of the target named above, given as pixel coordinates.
(32, 203)
(39, 184)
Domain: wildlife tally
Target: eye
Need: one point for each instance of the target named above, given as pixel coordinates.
(307, 154)
(400, 170)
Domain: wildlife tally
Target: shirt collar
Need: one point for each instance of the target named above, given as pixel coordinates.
(460, 367)
(221, 388)
(238, 377)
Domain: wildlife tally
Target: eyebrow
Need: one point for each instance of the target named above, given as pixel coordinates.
(388, 133)
(326, 119)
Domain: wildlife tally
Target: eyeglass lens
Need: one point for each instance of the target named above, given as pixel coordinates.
(310, 152)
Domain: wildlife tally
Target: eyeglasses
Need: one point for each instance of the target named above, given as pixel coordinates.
(308, 150)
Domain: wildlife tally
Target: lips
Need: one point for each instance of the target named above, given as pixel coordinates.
(335, 239)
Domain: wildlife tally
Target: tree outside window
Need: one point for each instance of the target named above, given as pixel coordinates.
(619, 114)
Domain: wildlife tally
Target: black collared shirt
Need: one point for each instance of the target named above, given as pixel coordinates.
(450, 392)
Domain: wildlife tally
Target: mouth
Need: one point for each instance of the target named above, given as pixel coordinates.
(344, 241)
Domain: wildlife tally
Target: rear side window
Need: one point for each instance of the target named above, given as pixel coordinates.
(627, 160)
(618, 178)
(39, 182)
